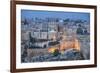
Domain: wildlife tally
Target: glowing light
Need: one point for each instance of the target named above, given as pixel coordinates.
(51, 50)
(65, 44)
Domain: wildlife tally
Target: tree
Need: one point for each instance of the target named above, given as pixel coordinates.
(79, 31)
(56, 52)
(86, 32)
(66, 21)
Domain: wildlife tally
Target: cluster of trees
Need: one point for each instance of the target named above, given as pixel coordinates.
(82, 31)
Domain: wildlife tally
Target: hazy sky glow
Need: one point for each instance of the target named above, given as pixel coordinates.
(63, 15)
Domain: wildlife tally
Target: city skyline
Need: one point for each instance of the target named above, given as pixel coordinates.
(28, 14)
